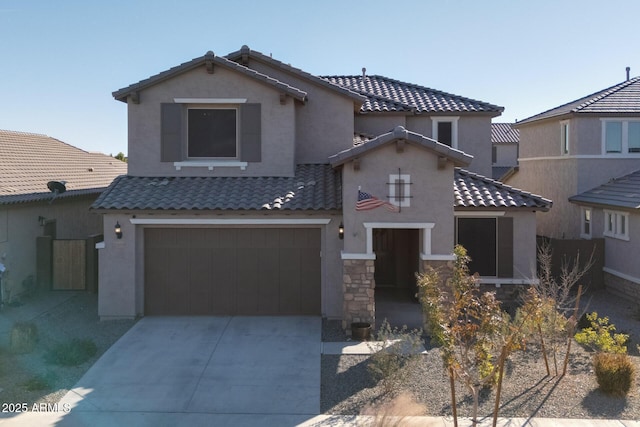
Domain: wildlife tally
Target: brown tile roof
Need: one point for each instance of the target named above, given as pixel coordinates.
(618, 99)
(623, 192)
(389, 95)
(503, 133)
(476, 191)
(314, 187)
(28, 161)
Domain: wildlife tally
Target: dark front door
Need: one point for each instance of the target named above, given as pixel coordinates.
(396, 257)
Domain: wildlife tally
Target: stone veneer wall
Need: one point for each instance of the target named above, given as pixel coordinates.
(358, 284)
(622, 287)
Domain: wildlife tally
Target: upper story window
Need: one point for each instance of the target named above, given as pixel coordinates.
(564, 137)
(212, 133)
(616, 224)
(400, 190)
(620, 136)
(585, 231)
(445, 130)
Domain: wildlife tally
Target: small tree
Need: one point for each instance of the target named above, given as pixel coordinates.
(557, 297)
(470, 327)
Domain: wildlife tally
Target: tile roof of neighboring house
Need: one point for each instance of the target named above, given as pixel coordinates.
(360, 138)
(389, 95)
(314, 187)
(400, 133)
(209, 58)
(28, 161)
(621, 98)
(503, 133)
(476, 191)
(623, 192)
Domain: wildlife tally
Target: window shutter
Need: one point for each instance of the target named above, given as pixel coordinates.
(505, 247)
(171, 132)
(250, 133)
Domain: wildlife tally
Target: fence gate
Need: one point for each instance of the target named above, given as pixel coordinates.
(69, 265)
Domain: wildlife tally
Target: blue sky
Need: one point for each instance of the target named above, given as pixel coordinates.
(61, 60)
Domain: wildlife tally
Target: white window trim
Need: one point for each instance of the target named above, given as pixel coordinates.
(454, 128)
(210, 164)
(230, 221)
(564, 123)
(406, 201)
(210, 100)
(625, 136)
(616, 234)
(582, 223)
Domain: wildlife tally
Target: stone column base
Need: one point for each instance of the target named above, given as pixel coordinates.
(358, 284)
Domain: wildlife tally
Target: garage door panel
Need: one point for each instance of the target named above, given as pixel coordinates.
(223, 280)
(269, 277)
(177, 281)
(200, 285)
(224, 271)
(248, 280)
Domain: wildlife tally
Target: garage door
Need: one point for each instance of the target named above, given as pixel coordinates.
(190, 271)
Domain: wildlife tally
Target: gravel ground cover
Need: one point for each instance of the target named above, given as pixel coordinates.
(27, 378)
(347, 386)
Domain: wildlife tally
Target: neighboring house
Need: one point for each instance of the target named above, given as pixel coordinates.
(257, 188)
(575, 149)
(612, 210)
(29, 209)
(504, 150)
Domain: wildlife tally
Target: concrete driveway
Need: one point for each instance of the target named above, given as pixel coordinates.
(219, 371)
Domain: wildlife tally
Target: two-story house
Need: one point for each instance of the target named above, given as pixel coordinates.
(568, 153)
(504, 150)
(257, 188)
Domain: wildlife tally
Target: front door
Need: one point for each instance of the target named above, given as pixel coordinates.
(396, 257)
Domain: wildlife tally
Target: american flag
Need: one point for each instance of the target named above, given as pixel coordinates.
(366, 202)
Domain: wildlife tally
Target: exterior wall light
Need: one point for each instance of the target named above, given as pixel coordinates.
(118, 230)
(341, 231)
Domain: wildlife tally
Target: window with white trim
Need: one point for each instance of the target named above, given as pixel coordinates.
(616, 224)
(585, 216)
(400, 190)
(564, 137)
(620, 136)
(445, 130)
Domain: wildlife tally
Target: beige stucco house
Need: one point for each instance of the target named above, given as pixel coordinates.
(257, 188)
(30, 210)
(504, 150)
(570, 154)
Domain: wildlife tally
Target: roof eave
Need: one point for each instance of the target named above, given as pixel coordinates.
(208, 58)
(245, 53)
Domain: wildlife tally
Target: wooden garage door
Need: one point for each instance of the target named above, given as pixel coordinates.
(210, 271)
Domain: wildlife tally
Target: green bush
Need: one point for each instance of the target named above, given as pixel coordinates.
(601, 336)
(614, 373)
(71, 353)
